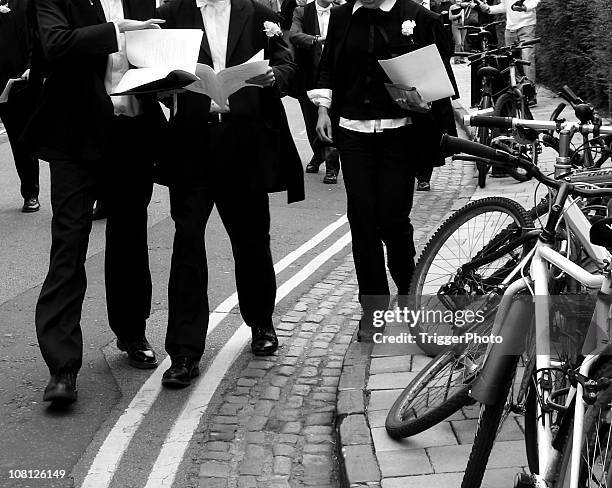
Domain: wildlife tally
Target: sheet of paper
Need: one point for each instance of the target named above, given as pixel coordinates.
(172, 48)
(422, 69)
(219, 86)
(4, 97)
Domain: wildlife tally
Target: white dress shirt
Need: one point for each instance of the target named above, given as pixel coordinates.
(515, 20)
(216, 17)
(323, 96)
(323, 17)
(118, 64)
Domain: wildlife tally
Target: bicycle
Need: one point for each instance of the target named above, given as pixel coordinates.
(441, 387)
(567, 442)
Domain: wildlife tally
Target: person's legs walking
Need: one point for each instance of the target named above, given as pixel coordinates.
(127, 193)
(58, 311)
(361, 168)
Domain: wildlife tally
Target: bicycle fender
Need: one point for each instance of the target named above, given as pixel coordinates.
(501, 361)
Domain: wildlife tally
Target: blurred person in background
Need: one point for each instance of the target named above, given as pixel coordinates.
(15, 47)
(308, 34)
(521, 23)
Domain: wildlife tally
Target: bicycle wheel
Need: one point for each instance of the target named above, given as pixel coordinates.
(484, 136)
(596, 456)
(507, 105)
(440, 389)
(444, 273)
(489, 422)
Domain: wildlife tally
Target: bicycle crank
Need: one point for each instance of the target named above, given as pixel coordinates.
(524, 480)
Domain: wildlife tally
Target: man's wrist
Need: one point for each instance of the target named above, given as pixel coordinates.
(315, 40)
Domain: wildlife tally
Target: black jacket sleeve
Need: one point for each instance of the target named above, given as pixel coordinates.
(61, 41)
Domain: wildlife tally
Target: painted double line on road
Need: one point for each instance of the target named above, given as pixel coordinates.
(106, 462)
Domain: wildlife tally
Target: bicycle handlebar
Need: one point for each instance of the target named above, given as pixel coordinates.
(504, 51)
(478, 120)
(450, 144)
(491, 121)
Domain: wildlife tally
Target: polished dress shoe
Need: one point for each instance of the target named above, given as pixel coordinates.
(140, 353)
(182, 371)
(99, 211)
(61, 389)
(264, 341)
(313, 165)
(423, 186)
(30, 205)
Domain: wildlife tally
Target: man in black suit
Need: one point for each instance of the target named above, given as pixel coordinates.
(90, 142)
(232, 157)
(308, 33)
(14, 63)
(381, 145)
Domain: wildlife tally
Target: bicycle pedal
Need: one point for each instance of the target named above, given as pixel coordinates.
(523, 480)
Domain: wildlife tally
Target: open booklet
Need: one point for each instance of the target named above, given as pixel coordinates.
(422, 69)
(219, 86)
(164, 59)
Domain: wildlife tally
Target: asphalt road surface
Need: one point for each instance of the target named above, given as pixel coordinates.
(33, 436)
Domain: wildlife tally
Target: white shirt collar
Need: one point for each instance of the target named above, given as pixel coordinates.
(385, 6)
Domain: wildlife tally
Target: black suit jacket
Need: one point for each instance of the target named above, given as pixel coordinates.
(15, 42)
(307, 55)
(269, 154)
(74, 116)
(429, 29)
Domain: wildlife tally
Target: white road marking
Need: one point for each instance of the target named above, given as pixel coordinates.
(2, 132)
(176, 443)
(111, 451)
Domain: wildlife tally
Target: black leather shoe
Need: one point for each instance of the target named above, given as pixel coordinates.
(264, 341)
(61, 389)
(140, 353)
(331, 177)
(182, 371)
(99, 211)
(313, 166)
(30, 205)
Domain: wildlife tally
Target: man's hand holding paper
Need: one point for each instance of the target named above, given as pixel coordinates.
(422, 69)
(219, 86)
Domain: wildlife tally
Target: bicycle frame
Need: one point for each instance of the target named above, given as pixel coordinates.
(542, 257)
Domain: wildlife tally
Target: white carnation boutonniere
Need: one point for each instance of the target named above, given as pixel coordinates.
(272, 29)
(4, 9)
(408, 27)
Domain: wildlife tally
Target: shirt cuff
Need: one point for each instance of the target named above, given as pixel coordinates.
(321, 97)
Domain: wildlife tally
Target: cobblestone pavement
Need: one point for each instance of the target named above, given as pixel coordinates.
(275, 425)
(371, 382)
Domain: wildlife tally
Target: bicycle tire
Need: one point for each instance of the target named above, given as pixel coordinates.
(507, 106)
(399, 426)
(472, 211)
(483, 136)
(489, 421)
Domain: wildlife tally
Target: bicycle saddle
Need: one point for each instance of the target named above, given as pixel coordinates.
(487, 71)
(601, 233)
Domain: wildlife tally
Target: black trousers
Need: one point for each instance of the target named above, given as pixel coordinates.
(14, 115)
(125, 180)
(310, 112)
(245, 215)
(379, 181)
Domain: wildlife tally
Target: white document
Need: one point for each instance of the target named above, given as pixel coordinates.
(219, 86)
(7, 90)
(158, 52)
(422, 69)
